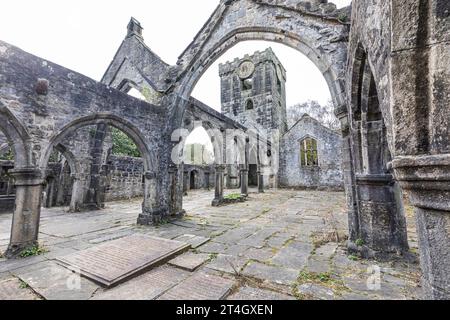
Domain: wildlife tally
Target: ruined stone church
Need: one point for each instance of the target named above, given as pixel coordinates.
(387, 66)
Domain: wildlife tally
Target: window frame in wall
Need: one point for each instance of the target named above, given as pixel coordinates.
(309, 154)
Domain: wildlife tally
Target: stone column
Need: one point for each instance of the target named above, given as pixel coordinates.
(427, 180)
(218, 197)
(185, 179)
(244, 180)
(25, 225)
(260, 180)
(80, 184)
(49, 192)
(348, 169)
(382, 223)
(152, 213)
(207, 181)
(176, 193)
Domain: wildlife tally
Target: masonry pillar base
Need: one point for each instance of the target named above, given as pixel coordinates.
(150, 217)
(25, 225)
(382, 223)
(427, 180)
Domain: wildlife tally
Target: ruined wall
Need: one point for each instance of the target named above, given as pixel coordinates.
(328, 174)
(124, 178)
(198, 177)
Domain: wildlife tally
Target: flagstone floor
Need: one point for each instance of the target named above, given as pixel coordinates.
(282, 244)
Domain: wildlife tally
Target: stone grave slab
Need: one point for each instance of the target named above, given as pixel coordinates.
(200, 286)
(193, 240)
(190, 261)
(11, 289)
(148, 286)
(115, 261)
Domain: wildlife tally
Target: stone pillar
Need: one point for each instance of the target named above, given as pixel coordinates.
(25, 225)
(152, 213)
(207, 181)
(80, 184)
(260, 180)
(218, 196)
(244, 180)
(382, 223)
(49, 192)
(185, 180)
(427, 180)
(348, 167)
(176, 193)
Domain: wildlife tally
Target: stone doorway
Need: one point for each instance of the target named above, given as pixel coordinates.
(192, 180)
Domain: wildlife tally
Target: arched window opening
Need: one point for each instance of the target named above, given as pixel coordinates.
(308, 153)
(198, 149)
(249, 105)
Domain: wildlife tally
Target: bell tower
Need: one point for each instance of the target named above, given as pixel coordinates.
(253, 91)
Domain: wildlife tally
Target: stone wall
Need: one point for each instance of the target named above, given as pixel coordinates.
(198, 177)
(124, 178)
(328, 174)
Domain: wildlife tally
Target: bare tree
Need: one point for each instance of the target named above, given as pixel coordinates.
(323, 113)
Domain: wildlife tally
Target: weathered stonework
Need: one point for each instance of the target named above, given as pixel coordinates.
(327, 174)
(389, 83)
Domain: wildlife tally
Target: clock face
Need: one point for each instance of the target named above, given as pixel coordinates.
(246, 69)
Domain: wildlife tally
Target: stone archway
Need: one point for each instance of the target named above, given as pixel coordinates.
(151, 205)
(323, 40)
(377, 225)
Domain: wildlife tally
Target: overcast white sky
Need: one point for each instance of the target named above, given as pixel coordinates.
(83, 35)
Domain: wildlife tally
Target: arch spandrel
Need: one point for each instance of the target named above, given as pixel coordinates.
(322, 39)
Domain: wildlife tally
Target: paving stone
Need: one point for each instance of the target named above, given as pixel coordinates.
(327, 251)
(232, 225)
(190, 261)
(258, 239)
(200, 286)
(316, 291)
(193, 240)
(294, 256)
(110, 237)
(237, 250)
(262, 255)
(250, 293)
(227, 263)
(318, 266)
(12, 289)
(146, 287)
(213, 247)
(55, 282)
(278, 241)
(236, 235)
(14, 264)
(274, 274)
